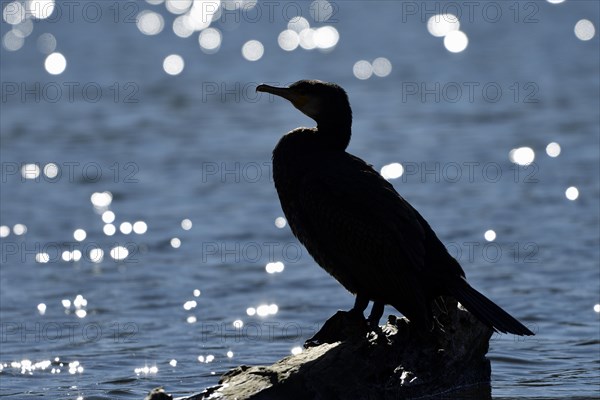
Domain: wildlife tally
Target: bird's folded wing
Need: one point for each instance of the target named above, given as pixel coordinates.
(356, 217)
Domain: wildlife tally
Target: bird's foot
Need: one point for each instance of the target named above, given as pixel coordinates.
(341, 326)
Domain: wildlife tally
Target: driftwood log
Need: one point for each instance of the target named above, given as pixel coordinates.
(393, 362)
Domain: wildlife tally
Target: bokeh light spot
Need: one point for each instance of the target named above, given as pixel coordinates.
(210, 40)
(280, 222)
(4, 231)
(362, 69)
(14, 13)
(584, 30)
(41, 9)
(326, 37)
(79, 235)
(572, 193)
(288, 40)
(55, 64)
(11, 41)
(140, 227)
(456, 41)
(46, 43)
(186, 224)
(553, 149)
(382, 67)
(150, 22)
(522, 155)
(19, 229)
(489, 235)
(253, 50)
(392, 171)
(173, 64)
(440, 25)
(119, 253)
(109, 229)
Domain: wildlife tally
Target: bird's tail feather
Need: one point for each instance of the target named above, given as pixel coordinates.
(487, 311)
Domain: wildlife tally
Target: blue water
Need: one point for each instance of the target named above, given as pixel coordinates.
(197, 146)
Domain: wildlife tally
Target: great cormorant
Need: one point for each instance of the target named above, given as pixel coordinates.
(357, 227)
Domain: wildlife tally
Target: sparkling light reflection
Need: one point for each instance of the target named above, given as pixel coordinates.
(101, 199)
(11, 41)
(119, 253)
(522, 155)
(19, 229)
(126, 228)
(150, 22)
(441, 24)
(266, 309)
(79, 235)
(175, 243)
(362, 69)
(178, 6)
(280, 222)
(30, 171)
(96, 255)
(190, 304)
(55, 64)
(553, 149)
(173, 64)
(4, 231)
(321, 10)
(274, 267)
(108, 217)
(456, 41)
(253, 50)
(584, 30)
(40, 9)
(288, 40)
(572, 193)
(46, 43)
(186, 224)
(382, 67)
(296, 350)
(140, 227)
(307, 39)
(51, 170)
(326, 37)
(489, 235)
(182, 27)
(146, 370)
(298, 24)
(109, 229)
(14, 13)
(210, 40)
(23, 29)
(28, 367)
(392, 171)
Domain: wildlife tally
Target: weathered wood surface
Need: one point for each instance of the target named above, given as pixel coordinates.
(393, 362)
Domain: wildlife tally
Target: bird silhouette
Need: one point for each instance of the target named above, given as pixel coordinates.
(357, 227)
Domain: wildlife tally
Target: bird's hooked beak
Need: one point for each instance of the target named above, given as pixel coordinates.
(297, 99)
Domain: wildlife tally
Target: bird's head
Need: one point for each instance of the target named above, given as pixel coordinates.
(326, 103)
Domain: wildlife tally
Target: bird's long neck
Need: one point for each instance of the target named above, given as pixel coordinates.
(336, 131)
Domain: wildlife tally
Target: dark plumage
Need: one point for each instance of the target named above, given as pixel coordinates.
(356, 226)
